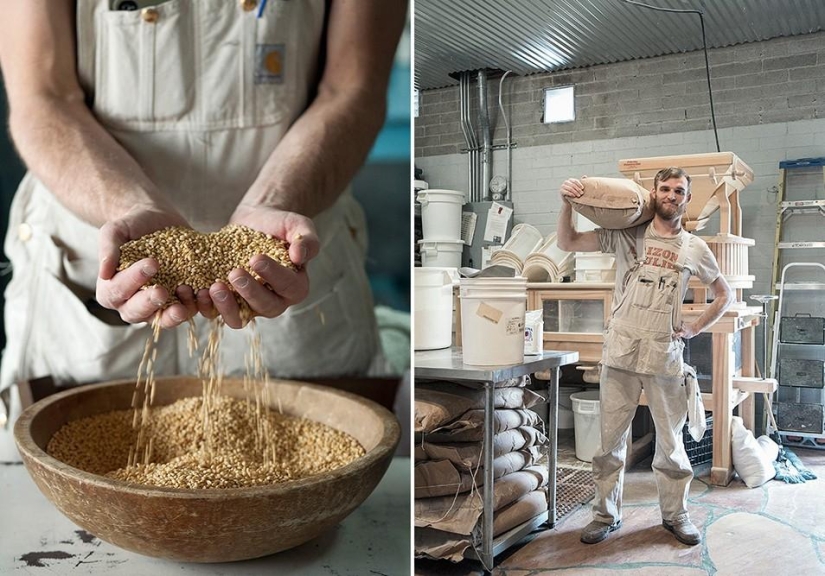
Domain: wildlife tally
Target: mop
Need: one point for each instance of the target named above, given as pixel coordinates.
(789, 468)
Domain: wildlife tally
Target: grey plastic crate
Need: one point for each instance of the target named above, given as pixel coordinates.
(800, 418)
(802, 330)
(800, 372)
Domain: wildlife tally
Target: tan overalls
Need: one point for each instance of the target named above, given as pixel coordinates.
(199, 95)
(641, 353)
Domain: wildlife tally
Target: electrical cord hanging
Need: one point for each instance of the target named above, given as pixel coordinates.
(704, 47)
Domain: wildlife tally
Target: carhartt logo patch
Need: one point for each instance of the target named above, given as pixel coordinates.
(269, 63)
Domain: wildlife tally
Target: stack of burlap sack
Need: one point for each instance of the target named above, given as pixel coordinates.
(449, 473)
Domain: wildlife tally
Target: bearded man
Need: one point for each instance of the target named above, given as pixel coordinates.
(643, 346)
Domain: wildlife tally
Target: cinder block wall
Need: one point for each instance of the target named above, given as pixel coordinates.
(760, 83)
(770, 106)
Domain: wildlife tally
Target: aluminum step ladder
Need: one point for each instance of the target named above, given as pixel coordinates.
(807, 352)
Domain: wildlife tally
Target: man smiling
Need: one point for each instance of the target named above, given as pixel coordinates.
(644, 344)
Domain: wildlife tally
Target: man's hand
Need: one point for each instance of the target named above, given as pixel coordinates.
(571, 188)
(686, 331)
(283, 286)
(121, 290)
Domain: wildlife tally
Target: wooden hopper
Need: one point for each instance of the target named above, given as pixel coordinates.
(716, 180)
(208, 525)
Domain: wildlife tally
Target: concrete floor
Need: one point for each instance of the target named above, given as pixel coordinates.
(772, 530)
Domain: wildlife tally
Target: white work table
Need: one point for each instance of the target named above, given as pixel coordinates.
(35, 538)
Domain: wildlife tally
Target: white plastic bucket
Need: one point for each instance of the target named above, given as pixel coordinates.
(524, 240)
(441, 253)
(441, 214)
(492, 320)
(587, 424)
(565, 419)
(433, 318)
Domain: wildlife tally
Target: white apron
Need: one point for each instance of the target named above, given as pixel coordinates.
(199, 97)
(639, 337)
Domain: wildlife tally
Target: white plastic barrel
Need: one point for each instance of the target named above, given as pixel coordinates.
(433, 318)
(586, 424)
(441, 253)
(492, 320)
(441, 213)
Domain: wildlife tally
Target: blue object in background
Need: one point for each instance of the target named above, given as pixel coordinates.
(382, 186)
(393, 143)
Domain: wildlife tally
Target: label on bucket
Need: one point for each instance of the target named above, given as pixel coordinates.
(515, 325)
(489, 313)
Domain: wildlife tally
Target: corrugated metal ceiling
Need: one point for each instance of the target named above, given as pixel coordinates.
(528, 37)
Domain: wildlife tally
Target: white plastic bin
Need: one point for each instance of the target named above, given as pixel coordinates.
(441, 214)
(492, 320)
(433, 318)
(441, 253)
(586, 424)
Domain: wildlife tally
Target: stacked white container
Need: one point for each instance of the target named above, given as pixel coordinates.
(442, 245)
(593, 266)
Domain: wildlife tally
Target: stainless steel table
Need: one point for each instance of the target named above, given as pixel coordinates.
(448, 364)
(35, 538)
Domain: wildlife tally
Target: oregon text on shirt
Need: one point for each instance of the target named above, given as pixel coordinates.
(660, 256)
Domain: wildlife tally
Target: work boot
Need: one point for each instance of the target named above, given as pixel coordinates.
(597, 531)
(684, 530)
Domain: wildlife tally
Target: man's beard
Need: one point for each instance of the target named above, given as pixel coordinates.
(667, 210)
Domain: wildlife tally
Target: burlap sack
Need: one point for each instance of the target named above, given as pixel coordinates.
(469, 427)
(432, 543)
(440, 478)
(468, 454)
(460, 514)
(437, 404)
(613, 203)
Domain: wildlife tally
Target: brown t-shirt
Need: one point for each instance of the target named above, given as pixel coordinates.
(662, 252)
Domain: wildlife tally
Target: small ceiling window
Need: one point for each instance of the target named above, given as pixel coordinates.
(559, 105)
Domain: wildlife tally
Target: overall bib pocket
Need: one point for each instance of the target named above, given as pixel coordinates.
(144, 67)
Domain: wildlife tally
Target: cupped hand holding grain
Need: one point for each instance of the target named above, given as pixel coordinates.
(190, 263)
(279, 287)
(121, 291)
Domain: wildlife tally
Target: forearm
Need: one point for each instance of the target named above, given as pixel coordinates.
(78, 161)
(320, 153)
(566, 232)
(713, 312)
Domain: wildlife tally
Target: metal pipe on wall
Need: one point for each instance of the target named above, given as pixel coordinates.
(509, 192)
(462, 99)
(472, 141)
(484, 124)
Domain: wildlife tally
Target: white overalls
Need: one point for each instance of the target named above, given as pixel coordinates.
(641, 353)
(199, 97)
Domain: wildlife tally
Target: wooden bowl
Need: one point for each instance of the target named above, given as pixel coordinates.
(208, 525)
